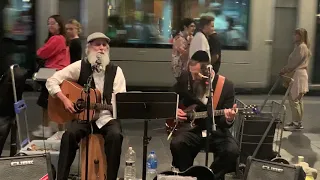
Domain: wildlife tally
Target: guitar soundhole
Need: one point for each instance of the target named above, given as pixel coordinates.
(80, 105)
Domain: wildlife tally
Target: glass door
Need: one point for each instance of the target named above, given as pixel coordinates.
(316, 62)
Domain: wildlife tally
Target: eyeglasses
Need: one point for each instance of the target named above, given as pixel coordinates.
(52, 24)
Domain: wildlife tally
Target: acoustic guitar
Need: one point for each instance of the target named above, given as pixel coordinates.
(97, 164)
(199, 172)
(173, 126)
(76, 94)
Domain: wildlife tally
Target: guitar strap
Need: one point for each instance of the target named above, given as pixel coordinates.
(218, 90)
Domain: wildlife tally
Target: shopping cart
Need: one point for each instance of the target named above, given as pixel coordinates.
(235, 129)
(41, 165)
(19, 108)
(7, 105)
(252, 140)
(260, 134)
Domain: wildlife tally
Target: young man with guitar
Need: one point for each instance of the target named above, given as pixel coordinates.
(107, 78)
(192, 88)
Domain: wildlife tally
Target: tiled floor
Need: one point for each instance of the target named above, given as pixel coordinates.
(305, 143)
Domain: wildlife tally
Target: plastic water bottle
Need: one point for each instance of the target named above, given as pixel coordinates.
(152, 164)
(130, 169)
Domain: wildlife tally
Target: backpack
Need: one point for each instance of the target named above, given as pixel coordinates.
(6, 90)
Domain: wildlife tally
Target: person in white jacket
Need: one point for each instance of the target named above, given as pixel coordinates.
(200, 41)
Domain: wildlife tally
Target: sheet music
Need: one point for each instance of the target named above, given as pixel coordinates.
(177, 106)
(44, 73)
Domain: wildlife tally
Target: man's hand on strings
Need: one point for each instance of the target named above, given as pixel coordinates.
(230, 113)
(69, 106)
(181, 114)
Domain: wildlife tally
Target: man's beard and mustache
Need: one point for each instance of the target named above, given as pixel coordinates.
(199, 88)
(104, 58)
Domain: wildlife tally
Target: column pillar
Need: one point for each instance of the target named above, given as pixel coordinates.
(93, 16)
(44, 9)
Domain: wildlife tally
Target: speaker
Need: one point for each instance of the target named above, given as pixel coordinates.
(254, 126)
(265, 170)
(27, 167)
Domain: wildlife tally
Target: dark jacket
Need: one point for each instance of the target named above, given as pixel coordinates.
(226, 101)
(110, 74)
(215, 49)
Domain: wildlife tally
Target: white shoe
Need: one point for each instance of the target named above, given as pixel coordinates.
(54, 126)
(42, 131)
(56, 136)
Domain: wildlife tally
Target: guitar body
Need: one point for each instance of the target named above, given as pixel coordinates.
(74, 92)
(171, 123)
(199, 172)
(173, 126)
(97, 164)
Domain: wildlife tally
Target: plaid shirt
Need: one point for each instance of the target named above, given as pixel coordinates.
(180, 53)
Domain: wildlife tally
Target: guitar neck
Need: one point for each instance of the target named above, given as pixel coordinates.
(204, 114)
(100, 106)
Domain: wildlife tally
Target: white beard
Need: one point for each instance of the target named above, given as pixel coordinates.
(105, 60)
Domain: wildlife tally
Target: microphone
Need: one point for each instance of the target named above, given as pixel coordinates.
(210, 69)
(98, 65)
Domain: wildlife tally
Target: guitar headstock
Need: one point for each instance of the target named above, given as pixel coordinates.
(251, 110)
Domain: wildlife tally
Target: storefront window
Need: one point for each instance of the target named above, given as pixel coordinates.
(231, 19)
(153, 23)
(141, 22)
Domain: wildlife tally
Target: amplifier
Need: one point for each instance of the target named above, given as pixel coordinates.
(37, 167)
(265, 170)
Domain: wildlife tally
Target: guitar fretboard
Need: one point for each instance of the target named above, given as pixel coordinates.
(99, 106)
(204, 114)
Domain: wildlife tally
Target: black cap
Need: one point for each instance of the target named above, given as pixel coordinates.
(201, 56)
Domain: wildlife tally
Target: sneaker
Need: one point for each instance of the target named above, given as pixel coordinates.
(289, 124)
(175, 170)
(293, 127)
(54, 126)
(42, 131)
(56, 136)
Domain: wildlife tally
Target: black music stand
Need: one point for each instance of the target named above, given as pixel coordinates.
(146, 106)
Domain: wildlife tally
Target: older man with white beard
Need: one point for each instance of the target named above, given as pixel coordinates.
(109, 80)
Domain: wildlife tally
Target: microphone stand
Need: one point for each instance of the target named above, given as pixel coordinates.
(96, 67)
(86, 89)
(210, 122)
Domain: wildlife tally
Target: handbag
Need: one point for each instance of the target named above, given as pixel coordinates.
(39, 64)
(286, 81)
